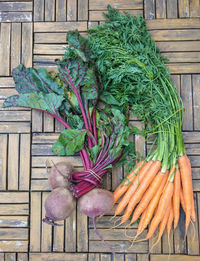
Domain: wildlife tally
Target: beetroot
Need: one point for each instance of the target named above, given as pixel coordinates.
(59, 205)
(97, 202)
(58, 175)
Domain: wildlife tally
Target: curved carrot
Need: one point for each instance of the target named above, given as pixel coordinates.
(140, 226)
(126, 183)
(122, 204)
(148, 195)
(176, 197)
(170, 219)
(182, 199)
(186, 179)
(164, 221)
(193, 214)
(141, 189)
(154, 202)
(162, 206)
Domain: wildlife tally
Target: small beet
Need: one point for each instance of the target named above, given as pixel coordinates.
(58, 175)
(94, 203)
(58, 205)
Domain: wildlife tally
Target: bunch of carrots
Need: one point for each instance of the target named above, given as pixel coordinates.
(155, 189)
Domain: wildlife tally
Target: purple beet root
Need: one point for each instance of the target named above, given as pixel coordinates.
(94, 203)
(58, 175)
(59, 205)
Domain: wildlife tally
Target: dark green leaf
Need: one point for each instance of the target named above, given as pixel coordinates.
(93, 153)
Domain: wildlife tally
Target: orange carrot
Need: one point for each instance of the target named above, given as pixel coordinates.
(176, 197)
(148, 195)
(162, 206)
(170, 219)
(186, 179)
(141, 189)
(182, 199)
(154, 202)
(126, 183)
(193, 214)
(164, 221)
(140, 226)
(122, 204)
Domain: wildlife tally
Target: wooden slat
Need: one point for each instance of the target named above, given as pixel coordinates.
(48, 49)
(177, 258)
(186, 94)
(6, 92)
(161, 9)
(70, 233)
(13, 161)
(16, 17)
(50, 138)
(44, 149)
(194, 8)
(168, 242)
(184, 8)
(112, 234)
(10, 257)
(119, 246)
(27, 31)
(196, 185)
(40, 185)
(192, 235)
(152, 240)
(15, 116)
(196, 173)
(13, 221)
(82, 232)
(14, 246)
(14, 197)
(58, 237)
(82, 10)
(7, 82)
(93, 257)
(3, 160)
(50, 38)
(39, 173)
(183, 57)
(139, 140)
(38, 10)
(40, 27)
(37, 121)
(15, 6)
(22, 257)
(46, 239)
(194, 161)
(98, 15)
(196, 100)
(49, 10)
(179, 46)
(57, 256)
(149, 9)
(15, 45)
(35, 221)
(41, 161)
(46, 59)
(5, 48)
(17, 209)
(105, 257)
(61, 8)
(130, 257)
(184, 68)
(24, 177)
(172, 11)
(175, 35)
(142, 257)
(117, 176)
(118, 4)
(179, 233)
(13, 234)
(173, 24)
(71, 10)
(48, 123)
(177, 82)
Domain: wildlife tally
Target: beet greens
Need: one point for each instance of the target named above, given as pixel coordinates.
(96, 130)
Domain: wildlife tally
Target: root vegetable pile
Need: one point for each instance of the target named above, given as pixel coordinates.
(116, 72)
